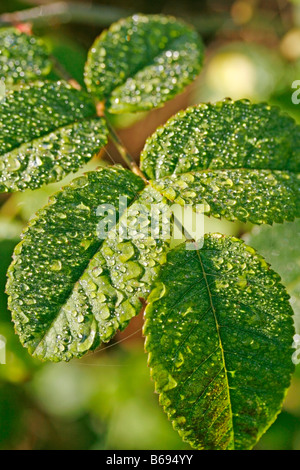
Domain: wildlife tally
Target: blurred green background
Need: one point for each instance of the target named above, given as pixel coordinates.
(106, 400)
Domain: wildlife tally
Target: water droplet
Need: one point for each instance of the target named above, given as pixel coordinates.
(56, 265)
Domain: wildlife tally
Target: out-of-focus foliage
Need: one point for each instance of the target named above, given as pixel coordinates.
(252, 52)
(271, 242)
(242, 70)
(69, 53)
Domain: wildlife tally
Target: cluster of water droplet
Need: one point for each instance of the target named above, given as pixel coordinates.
(142, 61)
(46, 132)
(54, 314)
(53, 156)
(123, 270)
(205, 350)
(258, 196)
(226, 134)
(22, 57)
(167, 75)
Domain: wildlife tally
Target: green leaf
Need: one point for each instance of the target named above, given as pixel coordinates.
(55, 252)
(225, 135)
(70, 290)
(141, 62)
(241, 159)
(280, 245)
(47, 130)
(219, 335)
(23, 58)
(257, 196)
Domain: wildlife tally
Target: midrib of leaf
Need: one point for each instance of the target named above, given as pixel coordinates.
(236, 167)
(51, 325)
(219, 338)
(216, 171)
(246, 418)
(50, 131)
(49, 328)
(199, 189)
(150, 60)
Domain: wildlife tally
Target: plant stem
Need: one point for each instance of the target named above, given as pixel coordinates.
(128, 159)
(66, 12)
(103, 16)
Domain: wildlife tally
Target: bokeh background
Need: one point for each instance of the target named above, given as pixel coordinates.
(106, 400)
